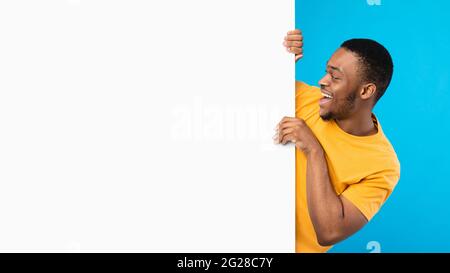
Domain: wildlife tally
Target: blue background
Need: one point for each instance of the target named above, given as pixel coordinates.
(413, 111)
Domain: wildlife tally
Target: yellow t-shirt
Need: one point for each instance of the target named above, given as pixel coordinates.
(363, 169)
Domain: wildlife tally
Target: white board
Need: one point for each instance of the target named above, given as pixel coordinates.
(145, 126)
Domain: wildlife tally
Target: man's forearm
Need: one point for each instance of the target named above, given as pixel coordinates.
(325, 207)
(334, 218)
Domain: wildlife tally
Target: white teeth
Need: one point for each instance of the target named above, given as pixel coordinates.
(327, 96)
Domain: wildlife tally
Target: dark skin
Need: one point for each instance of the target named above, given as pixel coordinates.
(334, 217)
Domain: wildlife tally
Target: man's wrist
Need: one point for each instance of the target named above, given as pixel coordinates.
(315, 152)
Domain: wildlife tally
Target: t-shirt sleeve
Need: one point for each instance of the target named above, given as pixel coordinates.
(369, 194)
(306, 99)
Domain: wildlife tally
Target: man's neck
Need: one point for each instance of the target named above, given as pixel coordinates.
(358, 125)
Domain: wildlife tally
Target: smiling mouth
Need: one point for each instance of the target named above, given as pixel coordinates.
(327, 97)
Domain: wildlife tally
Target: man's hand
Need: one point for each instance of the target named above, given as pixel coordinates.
(294, 43)
(295, 130)
(334, 218)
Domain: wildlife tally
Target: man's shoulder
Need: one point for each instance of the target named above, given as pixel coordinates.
(388, 148)
(303, 86)
(306, 99)
(387, 156)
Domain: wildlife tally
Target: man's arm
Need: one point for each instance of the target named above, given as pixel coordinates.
(334, 218)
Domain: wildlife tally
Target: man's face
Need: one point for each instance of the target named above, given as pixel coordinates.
(339, 86)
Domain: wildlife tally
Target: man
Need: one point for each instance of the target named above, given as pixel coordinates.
(345, 166)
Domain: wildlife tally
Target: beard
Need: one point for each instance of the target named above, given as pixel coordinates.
(343, 111)
(327, 116)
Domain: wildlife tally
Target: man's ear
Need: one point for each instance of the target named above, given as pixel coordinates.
(368, 90)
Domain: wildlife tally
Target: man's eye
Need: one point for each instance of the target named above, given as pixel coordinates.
(331, 75)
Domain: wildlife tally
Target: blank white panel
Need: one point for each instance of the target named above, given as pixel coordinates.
(145, 126)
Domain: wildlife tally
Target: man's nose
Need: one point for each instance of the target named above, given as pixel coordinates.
(323, 81)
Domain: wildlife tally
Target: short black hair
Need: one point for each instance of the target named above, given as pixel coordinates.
(376, 63)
